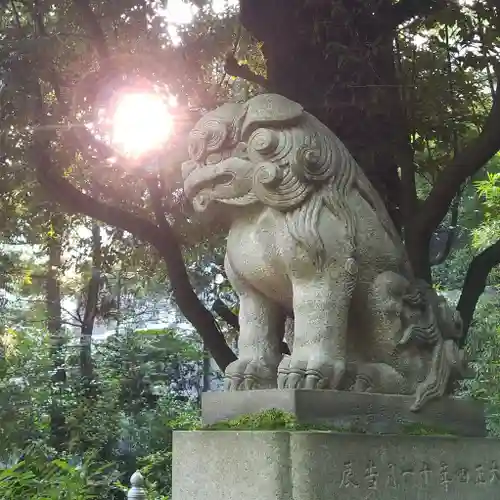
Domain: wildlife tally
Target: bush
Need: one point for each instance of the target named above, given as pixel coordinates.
(127, 421)
(42, 477)
(484, 351)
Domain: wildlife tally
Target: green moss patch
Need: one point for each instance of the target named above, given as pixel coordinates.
(272, 420)
(424, 430)
(275, 420)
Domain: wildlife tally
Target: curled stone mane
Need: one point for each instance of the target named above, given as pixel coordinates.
(333, 195)
(308, 169)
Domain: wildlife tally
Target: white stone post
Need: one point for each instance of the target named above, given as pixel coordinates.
(137, 492)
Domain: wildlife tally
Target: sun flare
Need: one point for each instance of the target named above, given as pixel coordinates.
(141, 123)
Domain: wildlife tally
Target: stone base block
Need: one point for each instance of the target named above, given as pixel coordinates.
(314, 465)
(373, 413)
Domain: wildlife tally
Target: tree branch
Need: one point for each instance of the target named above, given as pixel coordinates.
(226, 314)
(406, 10)
(451, 233)
(233, 68)
(93, 27)
(475, 283)
(464, 165)
(162, 239)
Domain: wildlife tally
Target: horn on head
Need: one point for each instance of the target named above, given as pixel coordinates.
(268, 110)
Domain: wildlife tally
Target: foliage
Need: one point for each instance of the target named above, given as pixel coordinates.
(489, 230)
(126, 424)
(484, 351)
(157, 468)
(451, 273)
(40, 476)
(25, 371)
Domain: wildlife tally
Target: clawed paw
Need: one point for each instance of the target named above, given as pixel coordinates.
(247, 374)
(312, 372)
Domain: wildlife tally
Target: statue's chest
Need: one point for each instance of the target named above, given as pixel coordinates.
(258, 246)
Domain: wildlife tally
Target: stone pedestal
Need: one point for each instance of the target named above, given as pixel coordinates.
(372, 413)
(379, 461)
(315, 465)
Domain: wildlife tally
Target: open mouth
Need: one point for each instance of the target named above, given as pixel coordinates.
(223, 179)
(206, 182)
(229, 181)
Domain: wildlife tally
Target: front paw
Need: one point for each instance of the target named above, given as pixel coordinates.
(249, 373)
(303, 370)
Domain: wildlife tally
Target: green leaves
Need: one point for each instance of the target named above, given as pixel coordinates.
(136, 404)
(38, 477)
(484, 351)
(489, 191)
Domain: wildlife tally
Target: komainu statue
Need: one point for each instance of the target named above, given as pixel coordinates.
(311, 237)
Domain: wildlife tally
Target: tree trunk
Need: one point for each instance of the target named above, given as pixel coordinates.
(92, 296)
(335, 59)
(207, 370)
(475, 283)
(417, 244)
(54, 327)
(184, 295)
(118, 300)
(53, 290)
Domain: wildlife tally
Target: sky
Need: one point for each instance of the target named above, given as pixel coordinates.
(178, 12)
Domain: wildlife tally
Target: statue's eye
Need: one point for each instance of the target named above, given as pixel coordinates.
(214, 158)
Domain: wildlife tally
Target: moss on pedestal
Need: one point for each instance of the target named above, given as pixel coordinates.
(274, 419)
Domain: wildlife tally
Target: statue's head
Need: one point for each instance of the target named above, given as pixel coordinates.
(265, 150)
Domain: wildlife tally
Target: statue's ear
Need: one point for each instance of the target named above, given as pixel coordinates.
(269, 110)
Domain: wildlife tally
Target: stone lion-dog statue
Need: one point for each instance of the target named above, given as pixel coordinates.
(311, 237)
